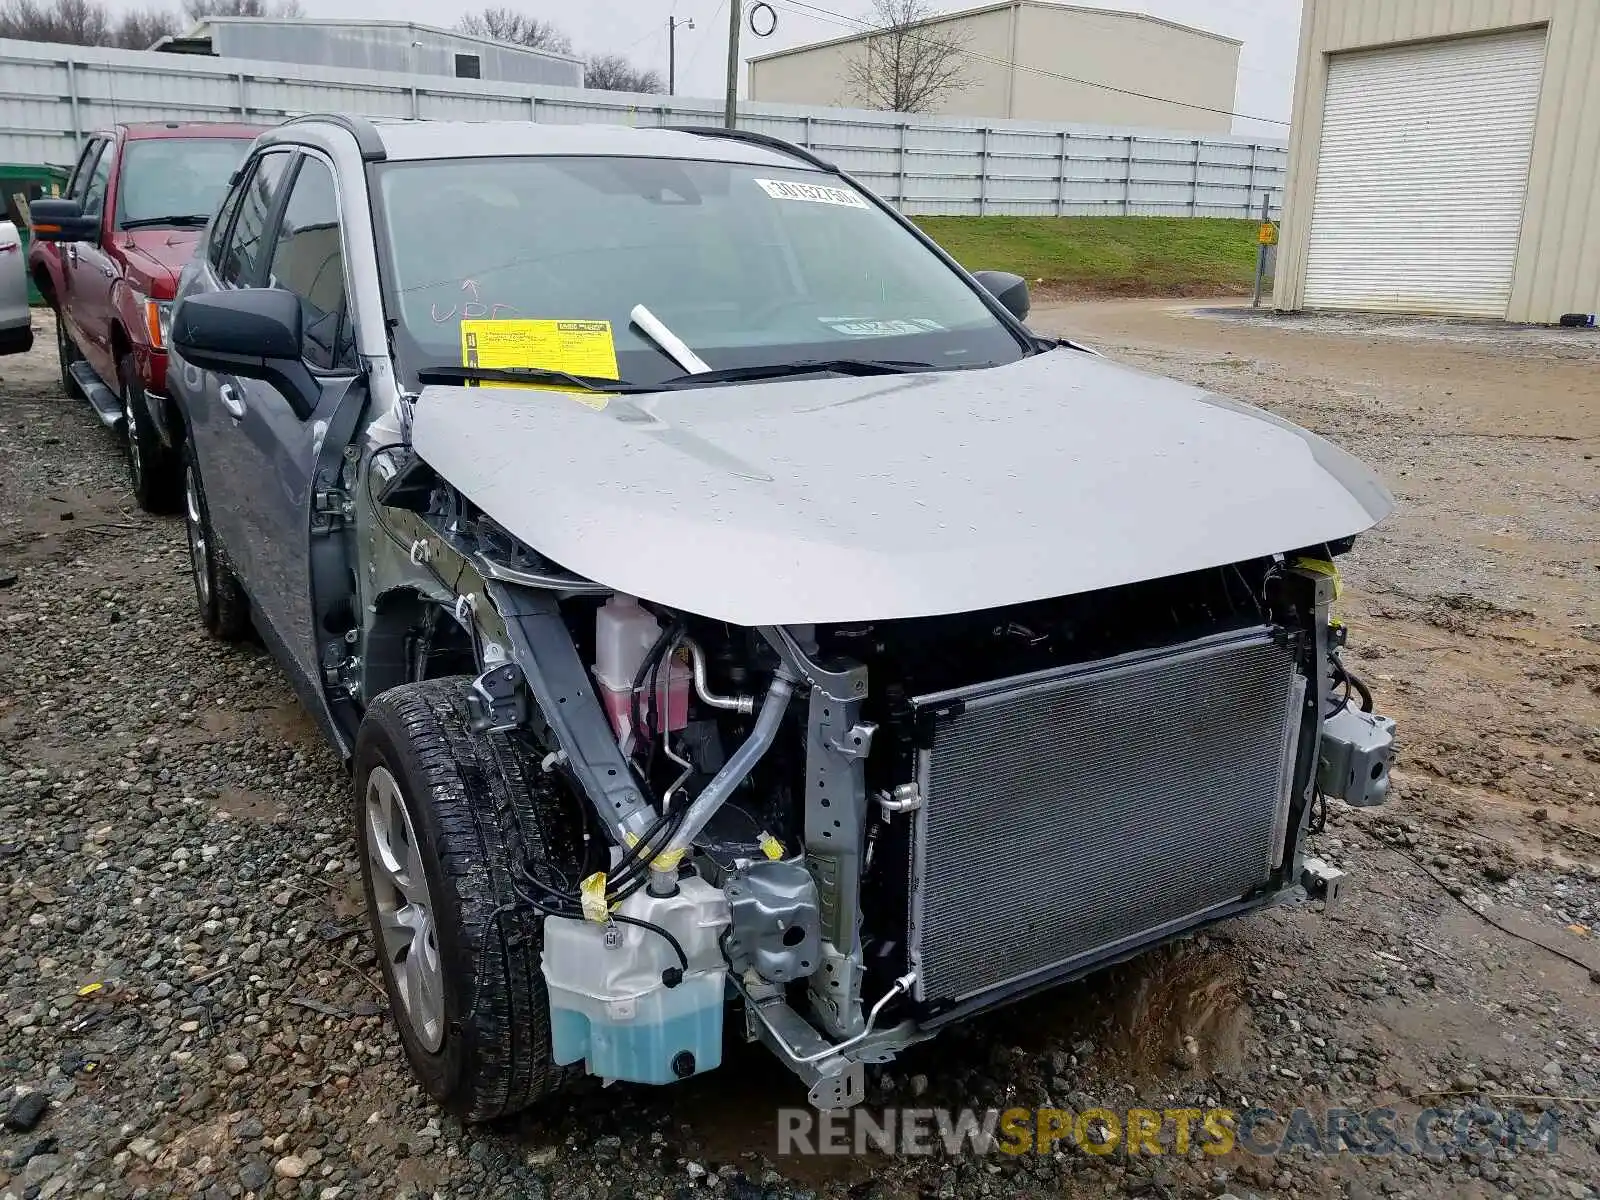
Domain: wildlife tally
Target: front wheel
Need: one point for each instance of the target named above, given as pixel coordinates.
(153, 472)
(67, 353)
(224, 610)
(445, 817)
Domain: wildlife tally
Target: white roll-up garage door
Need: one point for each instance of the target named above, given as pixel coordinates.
(1421, 176)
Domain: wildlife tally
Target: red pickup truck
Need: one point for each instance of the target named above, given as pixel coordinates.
(106, 257)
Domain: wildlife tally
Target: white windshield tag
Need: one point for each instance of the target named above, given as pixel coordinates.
(784, 189)
(868, 327)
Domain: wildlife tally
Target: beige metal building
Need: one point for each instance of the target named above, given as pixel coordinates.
(1445, 158)
(1040, 61)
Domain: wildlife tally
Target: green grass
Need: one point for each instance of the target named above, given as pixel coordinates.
(1123, 256)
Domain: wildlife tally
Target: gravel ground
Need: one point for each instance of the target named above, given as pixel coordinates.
(183, 967)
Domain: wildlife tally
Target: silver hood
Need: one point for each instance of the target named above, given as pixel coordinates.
(850, 499)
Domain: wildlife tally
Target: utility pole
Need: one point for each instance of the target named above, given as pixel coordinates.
(731, 111)
(672, 51)
(1266, 239)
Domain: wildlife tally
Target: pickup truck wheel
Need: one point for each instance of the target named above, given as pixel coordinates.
(152, 470)
(67, 353)
(442, 814)
(224, 610)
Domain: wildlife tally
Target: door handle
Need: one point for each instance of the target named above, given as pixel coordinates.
(231, 400)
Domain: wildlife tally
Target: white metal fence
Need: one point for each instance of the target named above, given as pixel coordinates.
(52, 95)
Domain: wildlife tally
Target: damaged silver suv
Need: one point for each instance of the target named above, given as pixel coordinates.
(732, 614)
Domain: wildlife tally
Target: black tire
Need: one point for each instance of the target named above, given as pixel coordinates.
(476, 804)
(154, 472)
(224, 609)
(67, 353)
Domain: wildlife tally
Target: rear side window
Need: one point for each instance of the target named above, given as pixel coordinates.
(308, 260)
(242, 261)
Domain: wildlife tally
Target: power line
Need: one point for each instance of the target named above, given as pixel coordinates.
(856, 23)
(694, 55)
(654, 33)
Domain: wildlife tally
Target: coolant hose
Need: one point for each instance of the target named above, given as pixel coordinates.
(739, 766)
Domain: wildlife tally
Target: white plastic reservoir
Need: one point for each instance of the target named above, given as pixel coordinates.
(608, 1004)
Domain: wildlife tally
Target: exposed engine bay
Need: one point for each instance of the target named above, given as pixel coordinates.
(862, 832)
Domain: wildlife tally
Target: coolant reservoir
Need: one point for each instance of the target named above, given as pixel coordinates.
(608, 1004)
(623, 635)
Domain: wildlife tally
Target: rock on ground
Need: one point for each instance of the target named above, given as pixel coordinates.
(177, 873)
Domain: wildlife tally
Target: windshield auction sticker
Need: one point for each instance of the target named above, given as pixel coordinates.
(577, 347)
(868, 327)
(784, 189)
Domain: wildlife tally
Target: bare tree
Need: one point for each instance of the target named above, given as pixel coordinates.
(509, 25)
(142, 28)
(906, 64)
(198, 10)
(613, 73)
(84, 23)
(76, 22)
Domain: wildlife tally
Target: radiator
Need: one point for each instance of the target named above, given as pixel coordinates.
(1085, 808)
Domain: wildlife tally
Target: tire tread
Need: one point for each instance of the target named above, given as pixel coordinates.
(227, 616)
(487, 816)
(163, 474)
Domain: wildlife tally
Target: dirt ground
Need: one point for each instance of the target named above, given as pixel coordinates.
(174, 837)
(1476, 606)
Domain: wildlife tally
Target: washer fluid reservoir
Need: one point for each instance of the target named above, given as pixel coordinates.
(608, 1003)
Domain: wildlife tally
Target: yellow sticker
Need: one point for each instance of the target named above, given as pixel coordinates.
(577, 347)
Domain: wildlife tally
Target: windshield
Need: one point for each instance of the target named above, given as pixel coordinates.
(749, 266)
(175, 177)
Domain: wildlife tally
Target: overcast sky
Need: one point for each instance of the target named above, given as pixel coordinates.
(638, 29)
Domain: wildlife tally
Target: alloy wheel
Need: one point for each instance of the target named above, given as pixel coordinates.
(65, 355)
(199, 549)
(135, 459)
(404, 907)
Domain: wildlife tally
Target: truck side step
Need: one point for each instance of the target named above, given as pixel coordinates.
(107, 404)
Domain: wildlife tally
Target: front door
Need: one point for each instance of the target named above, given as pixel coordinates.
(236, 256)
(81, 261)
(280, 446)
(95, 275)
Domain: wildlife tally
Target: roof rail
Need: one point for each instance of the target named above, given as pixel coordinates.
(363, 130)
(756, 139)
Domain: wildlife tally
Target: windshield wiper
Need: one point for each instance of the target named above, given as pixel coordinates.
(828, 366)
(447, 373)
(182, 220)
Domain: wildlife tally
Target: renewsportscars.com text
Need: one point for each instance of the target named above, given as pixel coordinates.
(1149, 1131)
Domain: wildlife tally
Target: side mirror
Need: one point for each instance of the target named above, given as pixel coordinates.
(1011, 290)
(252, 333)
(62, 221)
